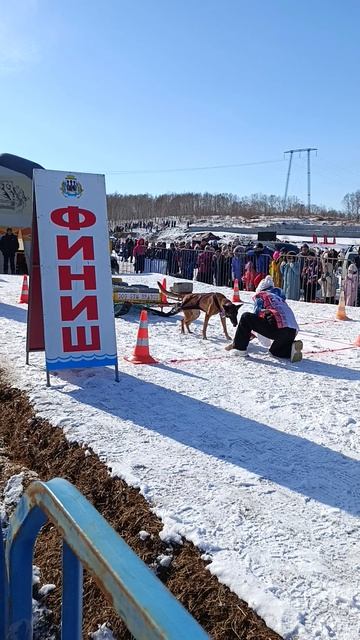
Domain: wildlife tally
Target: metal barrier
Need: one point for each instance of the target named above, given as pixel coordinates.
(316, 278)
(311, 278)
(3, 590)
(147, 608)
(125, 267)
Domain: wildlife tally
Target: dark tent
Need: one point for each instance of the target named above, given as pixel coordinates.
(16, 197)
(18, 164)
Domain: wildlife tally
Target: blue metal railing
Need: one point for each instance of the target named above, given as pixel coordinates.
(147, 608)
(3, 589)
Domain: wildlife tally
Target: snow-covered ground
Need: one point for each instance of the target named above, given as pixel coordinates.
(180, 232)
(256, 461)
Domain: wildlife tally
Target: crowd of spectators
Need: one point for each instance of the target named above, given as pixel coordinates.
(308, 274)
(147, 225)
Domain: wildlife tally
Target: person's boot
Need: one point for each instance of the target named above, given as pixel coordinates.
(296, 351)
(235, 352)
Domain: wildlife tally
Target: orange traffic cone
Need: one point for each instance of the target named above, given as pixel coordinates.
(341, 311)
(163, 297)
(24, 295)
(236, 294)
(141, 354)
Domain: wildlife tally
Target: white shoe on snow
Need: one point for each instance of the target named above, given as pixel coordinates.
(235, 352)
(296, 351)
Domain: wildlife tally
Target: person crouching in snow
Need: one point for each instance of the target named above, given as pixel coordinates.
(273, 319)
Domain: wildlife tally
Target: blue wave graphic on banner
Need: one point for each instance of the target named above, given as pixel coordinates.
(81, 362)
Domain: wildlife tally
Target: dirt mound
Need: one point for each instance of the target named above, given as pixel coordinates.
(35, 444)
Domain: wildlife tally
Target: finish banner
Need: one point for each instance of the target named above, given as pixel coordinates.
(74, 268)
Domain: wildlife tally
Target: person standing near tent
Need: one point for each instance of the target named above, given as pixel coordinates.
(9, 245)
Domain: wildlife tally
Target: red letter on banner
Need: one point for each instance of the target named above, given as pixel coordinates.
(74, 223)
(84, 244)
(81, 339)
(69, 313)
(66, 278)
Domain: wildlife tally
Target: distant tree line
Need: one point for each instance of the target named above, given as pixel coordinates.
(351, 204)
(194, 206)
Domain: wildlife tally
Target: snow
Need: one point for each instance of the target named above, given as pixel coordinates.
(181, 232)
(46, 589)
(14, 489)
(254, 460)
(9, 498)
(340, 241)
(103, 633)
(144, 535)
(164, 560)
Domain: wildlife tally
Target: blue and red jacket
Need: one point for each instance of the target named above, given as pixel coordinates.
(273, 301)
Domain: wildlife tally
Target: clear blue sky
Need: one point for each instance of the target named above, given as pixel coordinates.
(112, 86)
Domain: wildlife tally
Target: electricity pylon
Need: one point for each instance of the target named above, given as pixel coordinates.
(299, 151)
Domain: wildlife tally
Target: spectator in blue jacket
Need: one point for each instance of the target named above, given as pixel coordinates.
(290, 270)
(238, 264)
(261, 258)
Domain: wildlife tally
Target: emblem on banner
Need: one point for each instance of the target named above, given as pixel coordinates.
(71, 187)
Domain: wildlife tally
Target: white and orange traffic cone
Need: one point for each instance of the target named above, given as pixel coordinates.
(141, 354)
(236, 294)
(163, 297)
(341, 311)
(24, 295)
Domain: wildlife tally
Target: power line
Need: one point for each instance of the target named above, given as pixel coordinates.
(180, 169)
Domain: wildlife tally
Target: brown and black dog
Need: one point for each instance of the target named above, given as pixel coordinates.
(210, 303)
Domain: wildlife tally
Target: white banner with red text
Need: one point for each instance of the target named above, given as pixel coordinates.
(79, 324)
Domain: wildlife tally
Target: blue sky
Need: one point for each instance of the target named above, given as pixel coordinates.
(130, 87)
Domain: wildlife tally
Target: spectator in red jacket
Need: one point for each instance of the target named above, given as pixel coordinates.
(139, 255)
(205, 266)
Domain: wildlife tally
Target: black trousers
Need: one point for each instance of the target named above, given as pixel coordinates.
(139, 264)
(283, 338)
(9, 258)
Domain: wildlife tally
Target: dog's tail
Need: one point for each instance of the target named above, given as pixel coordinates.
(170, 294)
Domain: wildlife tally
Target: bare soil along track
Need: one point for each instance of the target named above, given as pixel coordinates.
(34, 444)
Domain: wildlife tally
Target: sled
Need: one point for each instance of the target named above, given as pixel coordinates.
(143, 297)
